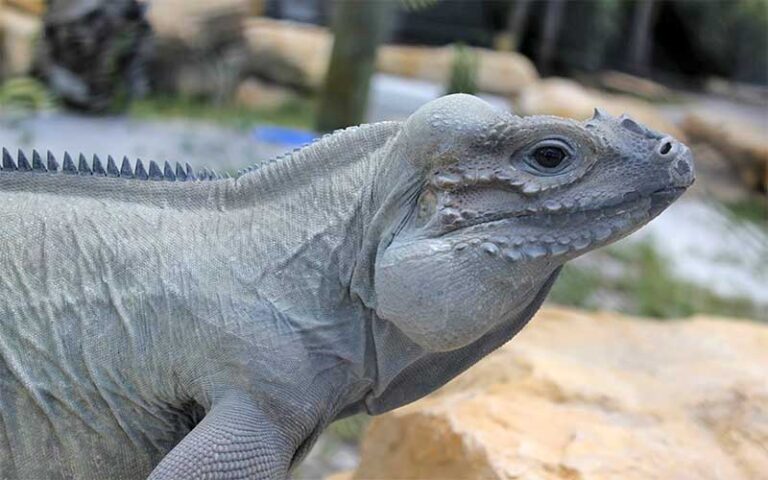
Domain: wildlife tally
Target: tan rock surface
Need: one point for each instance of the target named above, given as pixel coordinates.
(19, 31)
(307, 49)
(289, 52)
(566, 98)
(36, 7)
(504, 73)
(635, 86)
(341, 476)
(191, 22)
(253, 93)
(591, 396)
(426, 63)
(743, 143)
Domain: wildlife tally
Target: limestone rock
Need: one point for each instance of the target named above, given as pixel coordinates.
(346, 475)
(591, 396)
(20, 31)
(298, 54)
(566, 98)
(635, 86)
(35, 7)
(199, 46)
(425, 63)
(288, 53)
(196, 23)
(94, 52)
(742, 142)
(252, 93)
(503, 73)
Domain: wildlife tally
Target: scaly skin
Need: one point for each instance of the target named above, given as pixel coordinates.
(357, 274)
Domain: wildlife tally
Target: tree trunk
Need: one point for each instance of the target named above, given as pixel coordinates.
(516, 23)
(640, 39)
(553, 18)
(359, 27)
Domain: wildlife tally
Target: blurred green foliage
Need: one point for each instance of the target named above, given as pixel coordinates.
(463, 77)
(576, 286)
(25, 93)
(751, 210)
(724, 38)
(729, 34)
(645, 287)
(416, 5)
(590, 30)
(659, 294)
(350, 430)
(298, 112)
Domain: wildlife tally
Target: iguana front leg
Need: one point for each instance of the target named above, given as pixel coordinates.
(235, 440)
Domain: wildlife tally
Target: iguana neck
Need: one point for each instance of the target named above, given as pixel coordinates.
(312, 210)
(330, 166)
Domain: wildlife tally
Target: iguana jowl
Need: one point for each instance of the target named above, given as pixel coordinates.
(212, 329)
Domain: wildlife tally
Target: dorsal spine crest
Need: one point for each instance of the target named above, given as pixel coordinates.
(128, 170)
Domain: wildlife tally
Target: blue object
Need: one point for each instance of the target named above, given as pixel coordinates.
(283, 135)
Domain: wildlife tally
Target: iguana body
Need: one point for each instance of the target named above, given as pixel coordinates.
(357, 274)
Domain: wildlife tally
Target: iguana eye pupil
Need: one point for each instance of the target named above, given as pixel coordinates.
(549, 157)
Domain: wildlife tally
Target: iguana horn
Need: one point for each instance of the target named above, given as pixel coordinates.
(600, 115)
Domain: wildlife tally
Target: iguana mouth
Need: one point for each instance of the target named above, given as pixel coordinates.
(659, 199)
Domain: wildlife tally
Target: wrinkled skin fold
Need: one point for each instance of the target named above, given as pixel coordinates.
(153, 324)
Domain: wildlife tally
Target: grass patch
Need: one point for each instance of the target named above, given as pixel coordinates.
(350, 430)
(26, 94)
(753, 209)
(298, 112)
(657, 293)
(576, 286)
(646, 287)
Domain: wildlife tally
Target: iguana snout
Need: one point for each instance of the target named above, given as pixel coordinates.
(507, 200)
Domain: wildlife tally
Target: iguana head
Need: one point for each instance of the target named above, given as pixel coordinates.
(499, 202)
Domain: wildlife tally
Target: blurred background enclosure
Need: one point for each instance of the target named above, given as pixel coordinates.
(229, 83)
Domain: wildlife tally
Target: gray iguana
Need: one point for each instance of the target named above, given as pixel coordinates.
(152, 323)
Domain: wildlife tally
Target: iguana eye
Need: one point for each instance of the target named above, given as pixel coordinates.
(549, 157)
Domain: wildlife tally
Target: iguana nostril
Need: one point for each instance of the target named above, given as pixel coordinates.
(665, 148)
(682, 167)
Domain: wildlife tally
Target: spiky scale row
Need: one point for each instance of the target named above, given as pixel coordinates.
(112, 170)
(37, 162)
(154, 172)
(8, 162)
(23, 163)
(139, 171)
(83, 167)
(53, 165)
(126, 171)
(168, 173)
(98, 168)
(68, 166)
